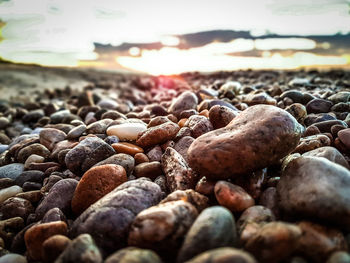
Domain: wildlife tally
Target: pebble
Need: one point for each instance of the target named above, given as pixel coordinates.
(224, 254)
(233, 197)
(198, 125)
(253, 140)
(329, 153)
(318, 242)
(141, 158)
(220, 116)
(76, 132)
(13, 258)
(122, 159)
(344, 137)
(176, 170)
(133, 255)
(87, 153)
(128, 148)
(35, 148)
(302, 195)
(339, 257)
(36, 235)
(274, 242)
(313, 142)
(213, 228)
(49, 137)
(126, 131)
(11, 171)
(9, 192)
(149, 169)
(30, 176)
(60, 196)
(155, 154)
(34, 158)
(109, 219)
(16, 207)
(162, 227)
(199, 201)
(54, 246)
(82, 249)
(186, 101)
(157, 134)
(96, 183)
(318, 106)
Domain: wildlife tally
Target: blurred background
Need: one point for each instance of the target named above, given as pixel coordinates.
(171, 37)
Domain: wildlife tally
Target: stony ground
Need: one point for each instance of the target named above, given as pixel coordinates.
(247, 166)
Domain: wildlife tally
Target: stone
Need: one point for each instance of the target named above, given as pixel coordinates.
(87, 153)
(141, 158)
(35, 148)
(96, 183)
(157, 134)
(199, 201)
(151, 170)
(198, 125)
(34, 158)
(9, 228)
(49, 137)
(344, 137)
(298, 111)
(329, 153)
(54, 214)
(122, 159)
(16, 207)
(255, 214)
(162, 227)
(81, 249)
(220, 116)
(274, 242)
(9, 192)
(60, 196)
(318, 106)
(13, 258)
(224, 254)
(76, 132)
(31, 196)
(54, 246)
(258, 137)
(155, 154)
(182, 145)
(35, 236)
(126, 131)
(205, 187)
(128, 148)
(133, 255)
(4, 122)
(98, 127)
(302, 195)
(108, 220)
(11, 171)
(176, 170)
(259, 98)
(30, 176)
(312, 142)
(339, 257)
(61, 146)
(318, 242)
(342, 96)
(6, 182)
(233, 197)
(213, 228)
(186, 101)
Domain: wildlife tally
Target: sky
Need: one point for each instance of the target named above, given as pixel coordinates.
(63, 32)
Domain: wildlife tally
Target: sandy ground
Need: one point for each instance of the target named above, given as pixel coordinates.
(18, 82)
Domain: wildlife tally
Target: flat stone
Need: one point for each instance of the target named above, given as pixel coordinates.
(126, 131)
(11, 171)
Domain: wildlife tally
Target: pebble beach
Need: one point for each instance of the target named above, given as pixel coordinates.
(243, 166)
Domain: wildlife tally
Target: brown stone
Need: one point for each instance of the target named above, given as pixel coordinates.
(258, 137)
(233, 197)
(157, 134)
(220, 116)
(95, 183)
(151, 170)
(54, 246)
(128, 148)
(37, 234)
(141, 158)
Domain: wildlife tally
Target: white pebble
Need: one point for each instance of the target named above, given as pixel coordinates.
(126, 131)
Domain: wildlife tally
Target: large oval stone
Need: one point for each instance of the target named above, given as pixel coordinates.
(314, 187)
(258, 137)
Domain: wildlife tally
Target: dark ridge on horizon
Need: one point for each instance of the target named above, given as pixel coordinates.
(192, 40)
